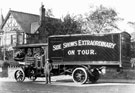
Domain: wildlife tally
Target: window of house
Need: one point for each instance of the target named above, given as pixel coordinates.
(20, 38)
(13, 39)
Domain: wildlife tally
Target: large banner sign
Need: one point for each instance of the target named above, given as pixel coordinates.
(87, 48)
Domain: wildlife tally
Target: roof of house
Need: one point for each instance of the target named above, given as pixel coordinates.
(24, 19)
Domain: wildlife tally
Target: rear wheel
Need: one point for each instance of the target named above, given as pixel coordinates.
(19, 76)
(80, 75)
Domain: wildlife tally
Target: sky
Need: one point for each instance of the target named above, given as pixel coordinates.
(60, 8)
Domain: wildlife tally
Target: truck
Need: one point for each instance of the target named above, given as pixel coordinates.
(86, 56)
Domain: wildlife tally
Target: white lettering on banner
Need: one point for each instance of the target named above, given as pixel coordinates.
(71, 52)
(85, 43)
(86, 52)
(70, 44)
(81, 52)
(56, 47)
(96, 43)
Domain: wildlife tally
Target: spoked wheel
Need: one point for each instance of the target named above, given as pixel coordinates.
(32, 75)
(19, 76)
(80, 75)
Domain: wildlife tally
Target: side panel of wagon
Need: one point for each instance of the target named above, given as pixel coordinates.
(85, 49)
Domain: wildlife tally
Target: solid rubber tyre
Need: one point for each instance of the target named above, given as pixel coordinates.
(19, 75)
(80, 75)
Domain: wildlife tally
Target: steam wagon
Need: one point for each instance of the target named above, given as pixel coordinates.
(31, 58)
(86, 56)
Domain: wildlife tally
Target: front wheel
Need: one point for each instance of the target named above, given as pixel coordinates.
(19, 76)
(80, 75)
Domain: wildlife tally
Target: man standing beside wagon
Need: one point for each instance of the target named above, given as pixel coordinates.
(47, 71)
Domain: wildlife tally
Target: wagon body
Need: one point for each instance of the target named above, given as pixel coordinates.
(106, 49)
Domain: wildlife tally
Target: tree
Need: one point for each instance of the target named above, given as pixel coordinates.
(132, 25)
(102, 20)
(66, 25)
(70, 25)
